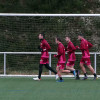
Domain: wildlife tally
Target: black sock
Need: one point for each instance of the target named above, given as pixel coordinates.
(61, 78)
(85, 74)
(95, 75)
(71, 71)
(77, 74)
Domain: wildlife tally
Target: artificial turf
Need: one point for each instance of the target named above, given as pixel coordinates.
(48, 89)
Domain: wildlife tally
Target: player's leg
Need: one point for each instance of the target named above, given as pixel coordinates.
(82, 67)
(72, 70)
(65, 71)
(92, 70)
(70, 66)
(51, 69)
(62, 66)
(40, 72)
(59, 73)
(84, 70)
(82, 62)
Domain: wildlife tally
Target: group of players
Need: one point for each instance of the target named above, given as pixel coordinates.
(61, 50)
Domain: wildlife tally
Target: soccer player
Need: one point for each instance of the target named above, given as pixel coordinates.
(44, 48)
(61, 59)
(71, 57)
(84, 47)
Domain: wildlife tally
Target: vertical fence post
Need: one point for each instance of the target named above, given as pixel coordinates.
(49, 62)
(95, 61)
(4, 63)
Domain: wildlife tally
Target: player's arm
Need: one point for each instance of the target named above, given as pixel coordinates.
(89, 45)
(40, 48)
(47, 46)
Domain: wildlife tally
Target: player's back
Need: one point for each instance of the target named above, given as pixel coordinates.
(71, 51)
(61, 51)
(84, 46)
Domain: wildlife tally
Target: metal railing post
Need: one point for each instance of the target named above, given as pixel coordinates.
(95, 62)
(4, 63)
(49, 62)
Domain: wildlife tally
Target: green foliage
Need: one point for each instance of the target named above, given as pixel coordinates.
(48, 6)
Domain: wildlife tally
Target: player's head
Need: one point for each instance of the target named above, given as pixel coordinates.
(41, 35)
(67, 39)
(80, 37)
(57, 40)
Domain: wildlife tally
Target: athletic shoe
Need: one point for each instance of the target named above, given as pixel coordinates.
(77, 78)
(74, 73)
(95, 78)
(57, 76)
(77, 75)
(60, 81)
(85, 78)
(36, 79)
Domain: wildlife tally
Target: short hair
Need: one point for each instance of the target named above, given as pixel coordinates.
(80, 34)
(58, 38)
(43, 34)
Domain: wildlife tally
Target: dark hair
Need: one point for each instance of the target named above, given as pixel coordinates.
(43, 34)
(80, 34)
(58, 38)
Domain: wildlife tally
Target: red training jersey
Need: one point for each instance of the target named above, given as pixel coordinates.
(61, 52)
(45, 46)
(84, 47)
(71, 51)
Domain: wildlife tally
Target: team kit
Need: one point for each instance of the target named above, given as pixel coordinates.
(44, 48)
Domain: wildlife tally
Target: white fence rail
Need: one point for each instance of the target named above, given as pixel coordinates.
(24, 14)
(50, 62)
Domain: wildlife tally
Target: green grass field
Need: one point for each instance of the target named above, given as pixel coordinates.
(49, 89)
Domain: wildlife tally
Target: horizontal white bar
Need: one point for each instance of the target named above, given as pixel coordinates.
(40, 53)
(42, 75)
(20, 52)
(24, 14)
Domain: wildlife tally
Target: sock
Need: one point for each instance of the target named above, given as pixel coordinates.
(71, 71)
(95, 75)
(60, 78)
(85, 74)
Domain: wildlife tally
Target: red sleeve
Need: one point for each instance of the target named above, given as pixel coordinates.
(89, 45)
(47, 46)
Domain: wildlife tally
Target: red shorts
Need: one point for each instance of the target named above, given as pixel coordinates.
(85, 61)
(70, 63)
(44, 61)
(61, 66)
